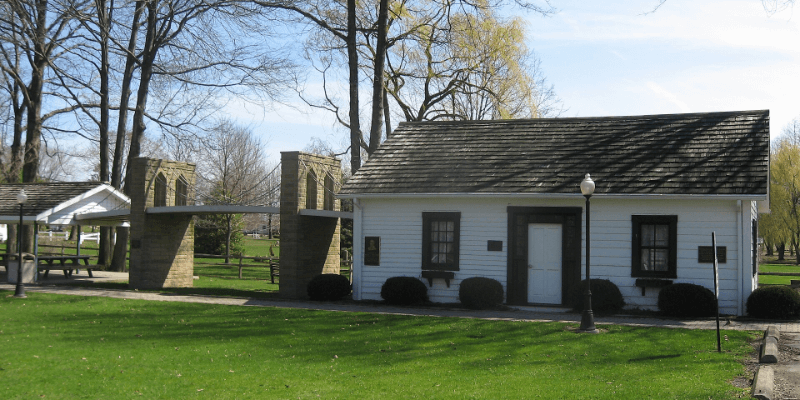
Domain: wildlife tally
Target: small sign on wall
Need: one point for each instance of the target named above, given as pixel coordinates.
(705, 254)
(494, 245)
(372, 250)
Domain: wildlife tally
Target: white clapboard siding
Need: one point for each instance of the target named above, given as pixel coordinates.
(398, 222)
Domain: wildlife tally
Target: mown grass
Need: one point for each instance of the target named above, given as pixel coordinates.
(792, 269)
(67, 347)
(776, 280)
(780, 268)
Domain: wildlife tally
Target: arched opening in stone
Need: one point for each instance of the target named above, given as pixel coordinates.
(328, 193)
(311, 190)
(160, 195)
(181, 191)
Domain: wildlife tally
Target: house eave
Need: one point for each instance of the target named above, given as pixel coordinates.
(557, 196)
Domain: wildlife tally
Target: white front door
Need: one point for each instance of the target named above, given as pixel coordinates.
(544, 263)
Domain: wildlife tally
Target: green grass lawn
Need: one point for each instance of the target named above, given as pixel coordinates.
(69, 347)
(778, 280)
(793, 269)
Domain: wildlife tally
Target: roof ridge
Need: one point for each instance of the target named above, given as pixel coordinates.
(603, 118)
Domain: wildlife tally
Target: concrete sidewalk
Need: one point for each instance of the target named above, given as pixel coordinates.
(51, 285)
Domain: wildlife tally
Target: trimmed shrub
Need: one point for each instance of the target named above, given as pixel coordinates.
(774, 302)
(687, 300)
(480, 293)
(606, 297)
(404, 290)
(327, 287)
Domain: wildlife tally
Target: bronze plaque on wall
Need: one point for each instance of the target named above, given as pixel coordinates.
(372, 250)
(705, 254)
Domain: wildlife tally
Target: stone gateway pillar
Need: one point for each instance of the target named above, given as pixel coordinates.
(162, 245)
(310, 226)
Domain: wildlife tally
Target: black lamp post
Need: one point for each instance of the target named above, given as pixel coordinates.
(587, 319)
(19, 290)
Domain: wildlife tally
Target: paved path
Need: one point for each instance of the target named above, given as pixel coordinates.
(528, 314)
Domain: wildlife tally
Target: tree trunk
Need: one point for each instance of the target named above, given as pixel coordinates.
(120, 260)
(33, 137)
(769, 248)
(228, 238)
(145, 76)
(15, 166)
(352, 62)
(125, 94)
(781, 251)
(796, 252)
(386, 116)
(11, 241)
(104, 252)
(378, 78)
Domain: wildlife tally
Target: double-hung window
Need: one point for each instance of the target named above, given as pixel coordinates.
(440, 240)
(655, 246)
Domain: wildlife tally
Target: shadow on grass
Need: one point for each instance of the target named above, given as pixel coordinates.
(257, 294)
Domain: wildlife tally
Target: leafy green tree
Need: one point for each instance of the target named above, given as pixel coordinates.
(783, 225)
(211, 234)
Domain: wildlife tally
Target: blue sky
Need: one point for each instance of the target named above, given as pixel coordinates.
(608, 59)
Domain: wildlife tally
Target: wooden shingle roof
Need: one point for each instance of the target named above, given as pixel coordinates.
(723, 153)
(58, 202)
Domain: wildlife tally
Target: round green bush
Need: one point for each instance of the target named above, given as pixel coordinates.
(480, 293)
(687, 300)
(404, 290)
(326, 287)
(606, 297)
(774, 302)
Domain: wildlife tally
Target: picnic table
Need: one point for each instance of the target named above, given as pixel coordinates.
(65, 262)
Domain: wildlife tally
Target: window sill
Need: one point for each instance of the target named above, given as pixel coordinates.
(431, 275)
(652, 282)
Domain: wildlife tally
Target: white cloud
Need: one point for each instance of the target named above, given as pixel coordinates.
(667, 95)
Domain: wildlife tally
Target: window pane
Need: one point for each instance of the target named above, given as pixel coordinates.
(660, 260)
(451, 257)
(646, 262)
(647, 235)
(662, 235)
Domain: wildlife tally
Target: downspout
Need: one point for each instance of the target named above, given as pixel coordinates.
(739, 265)
(358, 230)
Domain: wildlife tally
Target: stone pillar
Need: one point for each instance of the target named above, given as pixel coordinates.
(309, 244)
(162, 245)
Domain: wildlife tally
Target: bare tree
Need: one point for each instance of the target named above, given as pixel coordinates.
(380, 26)
(232, 171)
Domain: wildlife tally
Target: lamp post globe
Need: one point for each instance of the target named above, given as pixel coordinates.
(19, 289)
(587, 319)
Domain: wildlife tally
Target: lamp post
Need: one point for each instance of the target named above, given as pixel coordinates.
(19, 290)
(587, 319)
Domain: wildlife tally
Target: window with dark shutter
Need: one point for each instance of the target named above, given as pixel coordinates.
(655, 246)
(440, 240)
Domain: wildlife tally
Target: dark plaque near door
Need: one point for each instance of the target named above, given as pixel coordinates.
(705, 254)
(372, 250)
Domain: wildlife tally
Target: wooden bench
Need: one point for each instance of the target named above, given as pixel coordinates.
(274, 266)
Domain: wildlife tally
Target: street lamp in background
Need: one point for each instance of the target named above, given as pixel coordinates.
(587, 319)
(19, 290)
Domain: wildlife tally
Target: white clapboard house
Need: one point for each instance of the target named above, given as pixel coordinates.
(445, 201)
